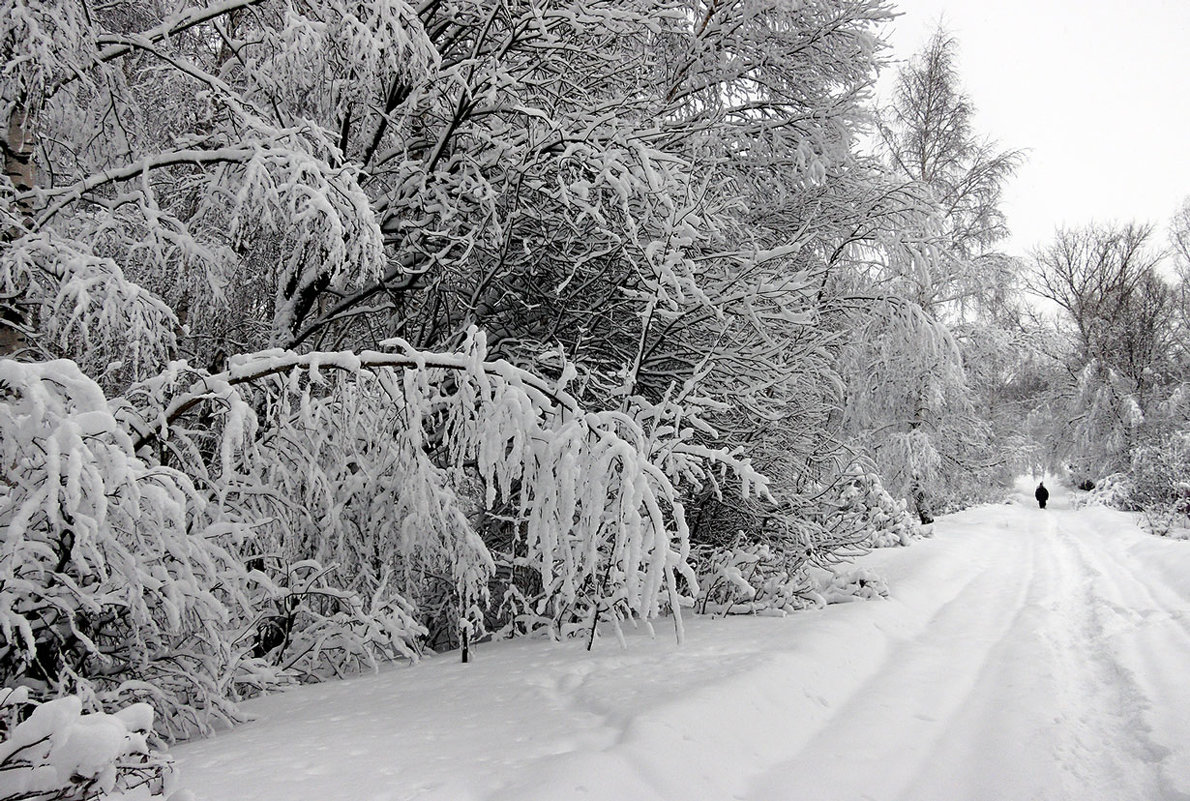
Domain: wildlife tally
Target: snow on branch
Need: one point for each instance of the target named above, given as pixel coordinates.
(61, 752)
(115, 583)
(326, 63)
(89, 307)
(450, 439)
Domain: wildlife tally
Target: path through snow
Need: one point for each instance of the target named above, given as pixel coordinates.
(1024, 654)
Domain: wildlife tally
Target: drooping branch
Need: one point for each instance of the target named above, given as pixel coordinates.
(115, 46)
(256, 367)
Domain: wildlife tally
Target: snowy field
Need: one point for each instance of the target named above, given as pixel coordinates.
(1023, 654)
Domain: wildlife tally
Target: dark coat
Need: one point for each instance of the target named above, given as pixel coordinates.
(1042, 494)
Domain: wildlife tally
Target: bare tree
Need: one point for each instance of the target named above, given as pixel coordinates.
(1179, 234)
(1105, 278)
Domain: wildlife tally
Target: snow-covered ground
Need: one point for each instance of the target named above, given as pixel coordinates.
(1023, 654)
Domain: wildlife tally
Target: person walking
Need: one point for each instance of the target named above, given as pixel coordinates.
(1042, 494)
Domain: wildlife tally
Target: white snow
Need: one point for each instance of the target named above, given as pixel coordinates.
(1022, 654)
(59, 745)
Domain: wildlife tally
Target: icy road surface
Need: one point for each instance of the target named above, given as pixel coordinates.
(1024, 654)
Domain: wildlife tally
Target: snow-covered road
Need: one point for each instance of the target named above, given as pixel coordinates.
(1024, 654)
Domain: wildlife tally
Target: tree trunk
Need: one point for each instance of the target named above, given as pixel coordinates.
(18, 147)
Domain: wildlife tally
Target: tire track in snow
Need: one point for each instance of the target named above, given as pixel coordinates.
(1044, 710)
(1078, 729)
(1102, 742)
(1142, 648)
(923, 684)
(998, 745)
(1131, 595)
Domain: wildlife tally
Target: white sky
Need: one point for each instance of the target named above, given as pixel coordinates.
(1098, 92)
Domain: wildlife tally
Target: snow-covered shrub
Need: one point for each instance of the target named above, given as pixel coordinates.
(843, 585)
(90, 311)
(1157, 484)
(1114, 490)
(319, 514)
(782, 570)
(116, 583)
(871, 516)
(61, 753)
(1172, 522)
(752, 578)
(1159, 472)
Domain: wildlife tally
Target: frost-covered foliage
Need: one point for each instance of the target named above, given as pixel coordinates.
(910, 407)
(1156, 483)
(1160, 472)
(347, 498)
(1151, 455)
(181, 149)
(779, 570)
(278, 172)
(1125, 409)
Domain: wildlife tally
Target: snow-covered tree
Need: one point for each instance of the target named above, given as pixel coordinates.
(1105, 280)
(921, 287)
(392, 325)
(384, 464)
(929, 137)
(1121, 318)
(317, 508)
(119, 581)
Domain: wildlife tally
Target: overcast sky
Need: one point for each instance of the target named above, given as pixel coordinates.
(1098, 91)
